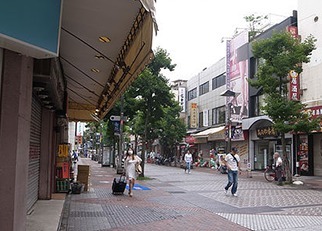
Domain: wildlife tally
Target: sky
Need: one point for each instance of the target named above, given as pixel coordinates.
(191, 31)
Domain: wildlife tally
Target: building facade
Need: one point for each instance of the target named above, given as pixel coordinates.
(55, 67)
(309, 147)
(206, 113)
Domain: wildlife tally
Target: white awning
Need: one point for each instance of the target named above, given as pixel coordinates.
(208, 131)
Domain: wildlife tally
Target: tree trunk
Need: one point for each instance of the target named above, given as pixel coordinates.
(144, 141)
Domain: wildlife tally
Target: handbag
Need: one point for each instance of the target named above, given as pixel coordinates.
(138, 168)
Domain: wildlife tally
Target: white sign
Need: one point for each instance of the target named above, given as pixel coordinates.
(182, 98)
(205, 118)
(115, 118)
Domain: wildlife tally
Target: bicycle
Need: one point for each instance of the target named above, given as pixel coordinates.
(270, 174)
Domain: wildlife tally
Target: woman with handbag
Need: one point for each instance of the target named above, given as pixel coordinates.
(131, 163)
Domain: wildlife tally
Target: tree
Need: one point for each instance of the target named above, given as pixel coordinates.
(277, 56)
(255, 24)
(172, 129)
(147, 98)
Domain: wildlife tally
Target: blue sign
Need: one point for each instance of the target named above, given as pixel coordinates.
(30, 26)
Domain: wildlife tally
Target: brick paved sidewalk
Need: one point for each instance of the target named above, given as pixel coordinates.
(193, 201)
(154, 209)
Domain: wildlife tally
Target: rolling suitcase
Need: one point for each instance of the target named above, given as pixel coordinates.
(118, 186)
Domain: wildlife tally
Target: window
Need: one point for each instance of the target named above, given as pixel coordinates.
(218, 115)
(201, 119)
(192, 94)
(218, 81)
(204, 88)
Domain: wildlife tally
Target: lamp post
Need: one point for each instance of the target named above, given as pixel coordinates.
(228, 93)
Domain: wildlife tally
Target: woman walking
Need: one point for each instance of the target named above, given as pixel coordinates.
(130, 164)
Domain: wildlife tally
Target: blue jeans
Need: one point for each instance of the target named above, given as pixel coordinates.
(232, 181)
(188, 166)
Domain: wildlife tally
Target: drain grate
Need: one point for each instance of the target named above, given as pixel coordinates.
(176, 192)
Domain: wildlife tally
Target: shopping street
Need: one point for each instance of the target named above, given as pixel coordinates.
(173, 200)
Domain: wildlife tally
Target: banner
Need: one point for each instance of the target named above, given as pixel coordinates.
(193, 115)
(237, 75)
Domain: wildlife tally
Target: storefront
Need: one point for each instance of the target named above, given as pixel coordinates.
(264, 141)
(209, 139)
(317, 154)
(308, 159)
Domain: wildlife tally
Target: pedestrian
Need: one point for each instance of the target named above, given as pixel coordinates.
(278, 168)
(188, 160)
(232, 162)
(131, 161)
(75, 156)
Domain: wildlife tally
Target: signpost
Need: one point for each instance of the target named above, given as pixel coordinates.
(119, 120)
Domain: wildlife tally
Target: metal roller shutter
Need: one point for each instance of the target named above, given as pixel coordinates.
(34, 154)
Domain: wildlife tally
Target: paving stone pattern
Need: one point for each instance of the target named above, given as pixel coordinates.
(196, 201)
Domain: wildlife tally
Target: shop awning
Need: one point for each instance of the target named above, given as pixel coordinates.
(249, 122)
(209, 131)
(104, 46)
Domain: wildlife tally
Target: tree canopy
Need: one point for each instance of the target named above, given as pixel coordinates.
(150, 105)
(277, 56)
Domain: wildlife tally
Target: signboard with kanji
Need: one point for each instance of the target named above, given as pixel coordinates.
(193, 115)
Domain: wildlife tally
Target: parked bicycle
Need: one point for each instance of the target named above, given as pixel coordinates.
(270, 174)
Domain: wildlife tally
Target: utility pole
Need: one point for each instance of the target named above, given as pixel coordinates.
(121, 127)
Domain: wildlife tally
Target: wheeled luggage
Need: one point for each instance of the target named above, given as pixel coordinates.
(118, 186)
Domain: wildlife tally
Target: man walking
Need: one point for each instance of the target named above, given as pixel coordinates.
(278, 168)
(232, 162)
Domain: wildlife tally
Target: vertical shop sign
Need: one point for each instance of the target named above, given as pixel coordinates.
(182, 99)
(294, 85)
(293, 75)
(193, 115)
(63, 150)
(205, 118)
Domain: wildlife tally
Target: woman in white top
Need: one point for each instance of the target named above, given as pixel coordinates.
(130, 162)
(188, 160)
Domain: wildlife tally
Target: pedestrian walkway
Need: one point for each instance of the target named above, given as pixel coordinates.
(173, 200)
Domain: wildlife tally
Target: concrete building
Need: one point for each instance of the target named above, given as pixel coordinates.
(310, 146)
(206, 110)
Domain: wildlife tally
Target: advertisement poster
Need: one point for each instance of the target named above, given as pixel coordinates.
(237, 75)
(302, 155)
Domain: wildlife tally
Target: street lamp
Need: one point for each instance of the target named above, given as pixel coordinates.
(228, 93)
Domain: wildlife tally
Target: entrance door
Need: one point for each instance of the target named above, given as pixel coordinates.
(261, 155)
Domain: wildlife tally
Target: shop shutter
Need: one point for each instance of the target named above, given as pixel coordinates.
(34, 154)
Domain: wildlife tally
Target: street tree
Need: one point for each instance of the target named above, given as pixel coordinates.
(172, 130)
(146, 98)
(277, 56)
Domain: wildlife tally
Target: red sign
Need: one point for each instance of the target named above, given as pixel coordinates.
(315, 111)
(293, 30)
(190, 140)
(294, 85)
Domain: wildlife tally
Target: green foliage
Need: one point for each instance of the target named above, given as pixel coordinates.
(161, 61)
(150, 106)
(280, 54)
(254, 24)
(172, 129)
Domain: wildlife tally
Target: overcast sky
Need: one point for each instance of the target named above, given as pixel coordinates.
(191, 30)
